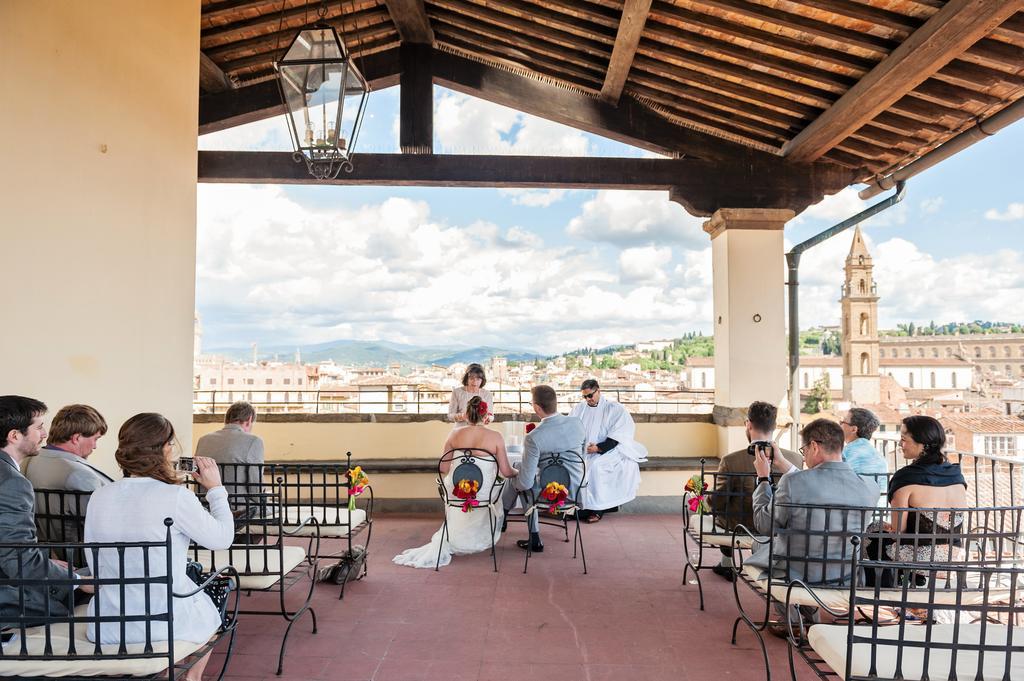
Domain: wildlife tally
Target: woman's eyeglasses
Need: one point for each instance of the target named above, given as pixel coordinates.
(588, 396)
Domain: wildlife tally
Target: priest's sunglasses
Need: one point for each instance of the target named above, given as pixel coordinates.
(590, 395)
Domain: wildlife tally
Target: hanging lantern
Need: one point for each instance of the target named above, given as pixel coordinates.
(325, 95)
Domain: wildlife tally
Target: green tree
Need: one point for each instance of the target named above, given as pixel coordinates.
(820, 398)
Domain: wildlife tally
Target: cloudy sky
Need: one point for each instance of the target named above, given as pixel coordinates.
(552, 270)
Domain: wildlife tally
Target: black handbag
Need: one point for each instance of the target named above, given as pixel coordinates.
(218, 590)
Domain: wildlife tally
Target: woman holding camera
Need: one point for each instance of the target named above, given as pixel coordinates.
(133, 510)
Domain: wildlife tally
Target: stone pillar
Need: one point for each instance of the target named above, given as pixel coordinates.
(749, 315)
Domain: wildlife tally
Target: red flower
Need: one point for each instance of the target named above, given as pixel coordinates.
(530, 427)
(482, 409)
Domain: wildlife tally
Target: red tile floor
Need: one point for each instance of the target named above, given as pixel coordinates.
(629, 618)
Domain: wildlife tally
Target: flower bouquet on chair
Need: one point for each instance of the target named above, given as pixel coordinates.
(696, 500)
(467, 490)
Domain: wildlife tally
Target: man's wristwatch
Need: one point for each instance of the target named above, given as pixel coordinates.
(764, 479)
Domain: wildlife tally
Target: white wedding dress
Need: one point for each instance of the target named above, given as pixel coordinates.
(468, 532)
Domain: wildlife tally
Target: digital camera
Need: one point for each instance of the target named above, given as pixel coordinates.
(761, 444)
(186, 464)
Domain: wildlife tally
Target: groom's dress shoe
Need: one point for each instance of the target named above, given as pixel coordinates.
(525, 544)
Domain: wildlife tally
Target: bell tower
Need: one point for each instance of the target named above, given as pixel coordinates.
(861, 382)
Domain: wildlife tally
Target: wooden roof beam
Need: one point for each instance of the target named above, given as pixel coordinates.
(950, 31)
(211, 77)
(701, 186)
(629, 122)
(631, 26)
(410, 17)
(256, 102)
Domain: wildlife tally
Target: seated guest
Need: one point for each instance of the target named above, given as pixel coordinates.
(133, 510)
(858, 426)
(235, 444)
(930, 481)
(827, 482)
(22, 433)
(62, 465)
(731, 500)
(63, 462)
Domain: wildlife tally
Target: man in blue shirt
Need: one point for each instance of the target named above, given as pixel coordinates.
(858, 426)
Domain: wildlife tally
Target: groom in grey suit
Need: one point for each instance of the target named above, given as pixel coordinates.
(556, 434)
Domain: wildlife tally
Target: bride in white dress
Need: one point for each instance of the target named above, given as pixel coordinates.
(468, 532)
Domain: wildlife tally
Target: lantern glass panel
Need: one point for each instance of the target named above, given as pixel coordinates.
(311, 75)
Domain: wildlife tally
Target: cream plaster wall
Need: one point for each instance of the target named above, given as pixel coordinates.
(98, 171)
(307, 441)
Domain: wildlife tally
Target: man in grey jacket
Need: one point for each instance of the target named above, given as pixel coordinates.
(21, 434)
(62, 465)
(557, 438)
(63, 462)
(827, 482)
(232, 445)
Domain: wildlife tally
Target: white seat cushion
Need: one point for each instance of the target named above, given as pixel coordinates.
(838, 598)
(36, 639)
(252, 563)
(716, 536)
(829, 641)
(334, 521)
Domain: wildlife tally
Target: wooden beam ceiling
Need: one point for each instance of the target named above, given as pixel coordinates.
(410, 17)
(959, 24)
(631, 27)
(700, 186)
(629, 122)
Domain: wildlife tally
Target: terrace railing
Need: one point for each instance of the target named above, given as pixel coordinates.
(413, 400)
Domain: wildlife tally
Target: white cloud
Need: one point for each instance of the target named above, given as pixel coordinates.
(644, 265)
(846, 203)
(932, 205)
(1015, 211)
(535, 198)
(269, 134)
(272, 270)
(467, 125)
(634, 218)
(913, 284)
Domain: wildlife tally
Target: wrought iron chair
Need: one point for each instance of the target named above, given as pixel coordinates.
(554, 468)
(264, 562)
(815, 552)
(56, 644)
(970, 627)
(466, 465)
(317, 490)
(60, 519)
(726, 504)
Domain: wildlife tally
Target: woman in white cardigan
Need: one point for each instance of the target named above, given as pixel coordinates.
(133, 509)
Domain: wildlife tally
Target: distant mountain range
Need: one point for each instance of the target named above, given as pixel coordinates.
(380, 353)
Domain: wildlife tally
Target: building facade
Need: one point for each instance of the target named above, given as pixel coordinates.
(860, 326)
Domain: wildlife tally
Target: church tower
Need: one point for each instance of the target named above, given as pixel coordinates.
(861, 382)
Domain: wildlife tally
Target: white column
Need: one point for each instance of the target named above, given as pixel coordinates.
(749, 318)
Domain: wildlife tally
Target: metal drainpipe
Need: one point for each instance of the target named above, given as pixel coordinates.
(793, 261)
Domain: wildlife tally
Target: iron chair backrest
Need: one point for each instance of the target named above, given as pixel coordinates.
(242, 480)
(468, 463)
(986, 630)
(322, 485)
(557, 467)
(60, 519)
(55, 632)
(259, 539)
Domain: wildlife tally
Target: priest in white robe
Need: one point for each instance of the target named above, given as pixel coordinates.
(613, 457)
